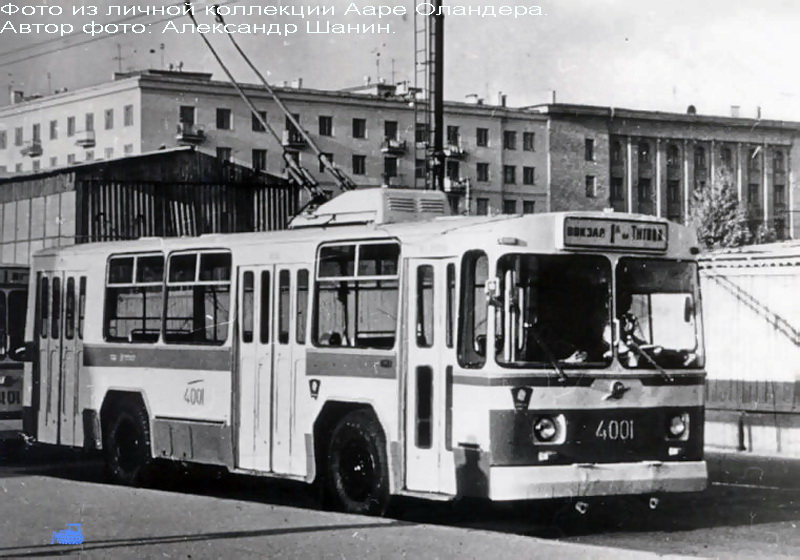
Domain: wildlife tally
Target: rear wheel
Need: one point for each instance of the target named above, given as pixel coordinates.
(126, 444)
(357, 471)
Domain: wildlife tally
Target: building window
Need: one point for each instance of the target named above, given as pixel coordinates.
(390, 130)
(529, 141)
(528, 175)
(186, 115)
(36, 132)
(224, 119)
(483, 172)
(591, 186)
(259, 160)
(673, 192)
(70, 159)
(509, 174)
(644, 190)
(452, 135)
(421, 133)
(18, 136)
(37, 165)
(509, 207)
(779, 195)
(588, 149)
(18, 167)
(509, 140)
(329, 156)
(617, 192)
(616, 153)
(726, 156)
(89, 155)
(673, 155)
(482, 137)
(452, 170)
(127, 149)
(482, 207)
(109, 153)
(70, 126)
(420, 170)
(752, 193)
(325, 125)
(700, 157)
(3, 140)
(777, 161)
(53, 161)
(644, 153)
(528, 206)
(109, 119)
(359, 165)
(127, 115)
(224, 154)
(255, 121)
(359, 128)
(753, 163)
(53, 130)
(389, 167)
(89, 122)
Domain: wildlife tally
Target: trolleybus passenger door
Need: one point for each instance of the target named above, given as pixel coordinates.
(253, 390)
(72, 354)
(283, 389)
(425, 382)
(48, 329)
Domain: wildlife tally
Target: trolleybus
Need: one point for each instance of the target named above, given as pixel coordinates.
(379, 348)
(13, 302)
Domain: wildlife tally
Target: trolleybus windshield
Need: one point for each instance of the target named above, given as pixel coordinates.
(658, 315)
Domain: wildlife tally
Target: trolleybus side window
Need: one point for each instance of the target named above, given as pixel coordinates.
(248, 313)
(3, 330)
(284, 295)
(302, 306)
(81, 305)
(134, 299)
(424, 327)
(17, 307)
(472, 320)
(356, 295)
(44, 307)
(198, 298)
(263, 335)
(451, 303)
(69, 310)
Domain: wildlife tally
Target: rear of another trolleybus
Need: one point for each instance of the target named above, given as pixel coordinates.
(13, 303)
(594, 382)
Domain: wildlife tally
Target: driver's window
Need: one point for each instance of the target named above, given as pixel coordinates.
(472, 320)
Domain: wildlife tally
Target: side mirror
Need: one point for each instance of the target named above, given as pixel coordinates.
(688, 309)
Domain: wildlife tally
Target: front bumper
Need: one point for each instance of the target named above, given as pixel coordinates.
(596, 479)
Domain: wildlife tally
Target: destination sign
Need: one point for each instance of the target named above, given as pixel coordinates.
(615, 234)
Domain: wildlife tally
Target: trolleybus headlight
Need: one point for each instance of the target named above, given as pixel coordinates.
(678, 426)
(548, 429)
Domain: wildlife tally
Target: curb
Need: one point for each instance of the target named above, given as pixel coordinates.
(756, 470)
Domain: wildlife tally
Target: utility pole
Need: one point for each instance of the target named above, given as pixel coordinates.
(436, 94)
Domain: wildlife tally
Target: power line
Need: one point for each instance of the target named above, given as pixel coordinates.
(87, 41)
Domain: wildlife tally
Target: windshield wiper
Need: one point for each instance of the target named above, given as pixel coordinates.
(562, 377)
(652, 362)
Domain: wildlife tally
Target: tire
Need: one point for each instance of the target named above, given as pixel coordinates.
(357, 477)
(126, 445)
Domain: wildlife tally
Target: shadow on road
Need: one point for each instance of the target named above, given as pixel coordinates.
(718, 506)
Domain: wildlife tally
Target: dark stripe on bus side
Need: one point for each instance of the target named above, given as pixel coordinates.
(341, 364)
(577, 380)
(205, 358)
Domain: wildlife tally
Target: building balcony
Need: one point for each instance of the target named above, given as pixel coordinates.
(393, 146)
(394, 180)
(85, 139)
(455, 150)
(674, 172)
(456, 186)
(778, 176)
(34, 149)
(293, 140)
(190, 134)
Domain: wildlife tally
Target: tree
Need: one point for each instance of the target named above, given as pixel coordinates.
(716, 213)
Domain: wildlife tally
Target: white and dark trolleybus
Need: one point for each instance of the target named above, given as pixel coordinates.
(379, 347)
(13, 302)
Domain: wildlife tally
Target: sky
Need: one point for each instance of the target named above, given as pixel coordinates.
(640, 54)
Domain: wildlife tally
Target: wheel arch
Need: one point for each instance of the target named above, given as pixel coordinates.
(116, 398)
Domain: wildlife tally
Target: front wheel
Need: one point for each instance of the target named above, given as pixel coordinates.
(127, 445)
(357, 471)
